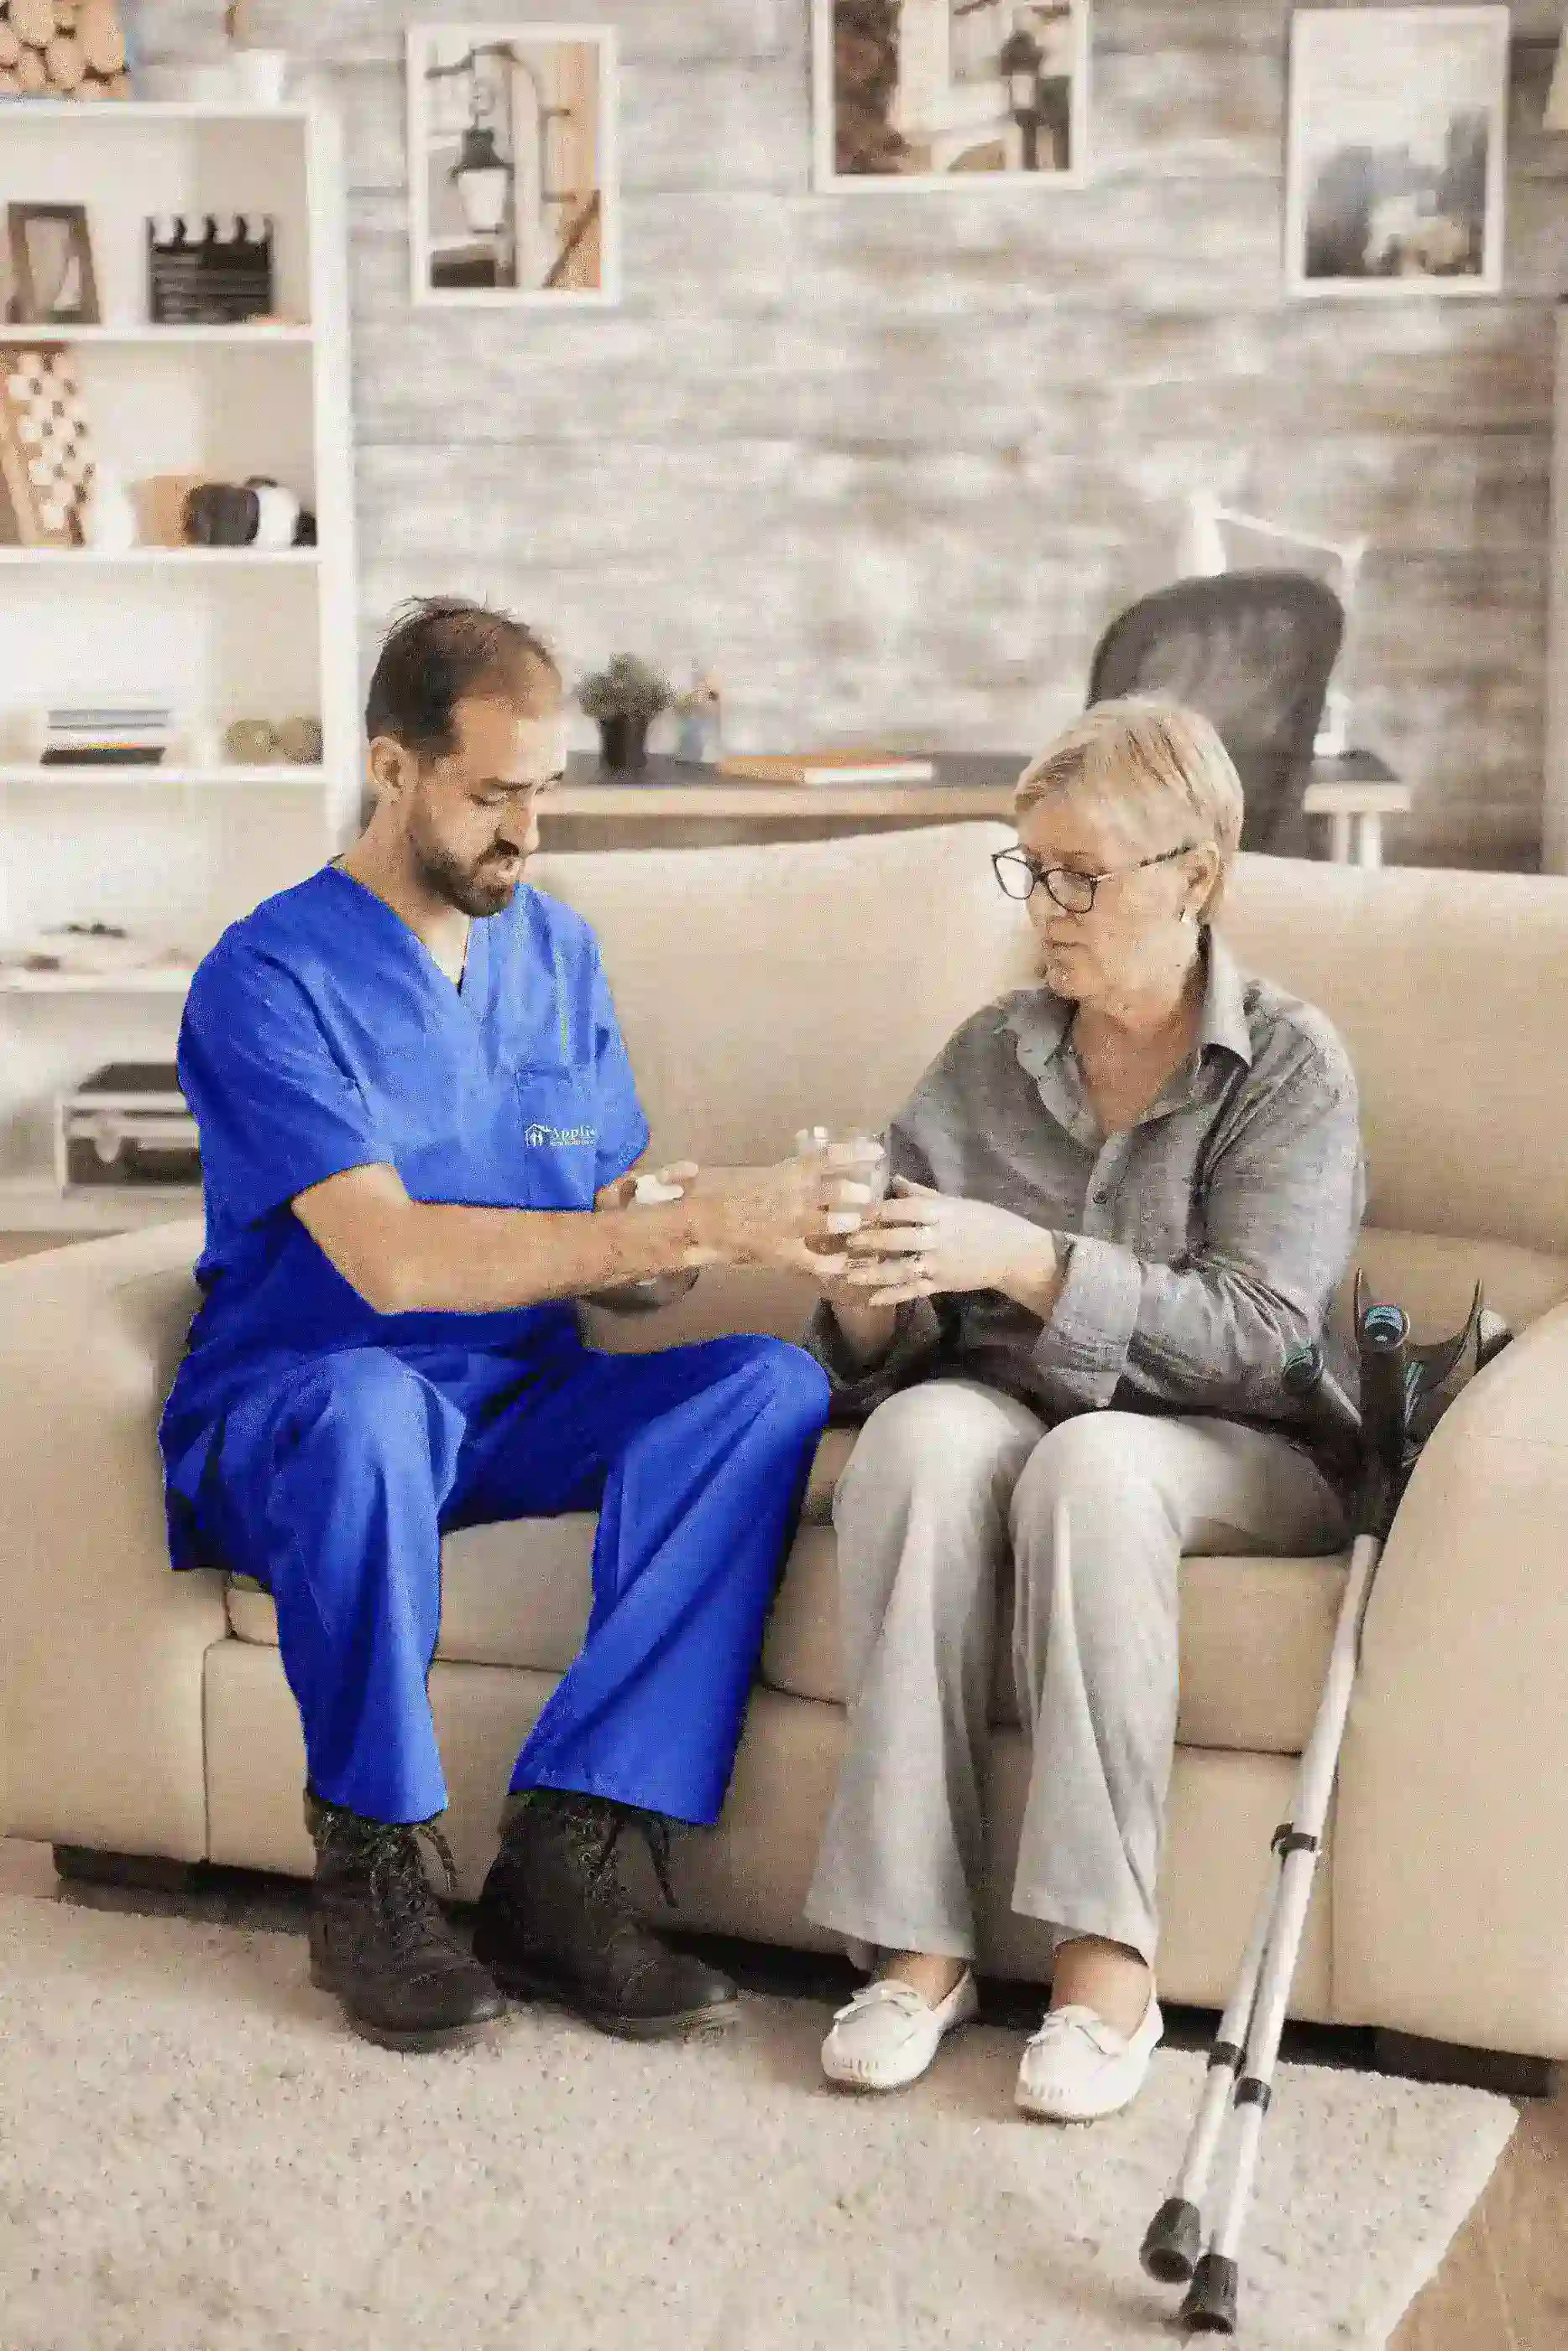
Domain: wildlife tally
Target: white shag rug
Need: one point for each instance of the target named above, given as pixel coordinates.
(197, 2154)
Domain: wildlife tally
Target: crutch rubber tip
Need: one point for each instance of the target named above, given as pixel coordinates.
(1210, 2305)
(1175, 2239)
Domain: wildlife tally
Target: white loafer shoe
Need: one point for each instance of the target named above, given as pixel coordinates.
(1078, 2068)
(887, 2035)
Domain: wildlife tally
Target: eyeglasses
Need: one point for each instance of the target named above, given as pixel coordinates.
(1020, 876)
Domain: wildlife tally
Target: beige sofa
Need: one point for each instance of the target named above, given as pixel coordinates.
(760, 988)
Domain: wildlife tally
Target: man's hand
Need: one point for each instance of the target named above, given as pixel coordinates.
(663, 1289)
(922, 1243)
(785, 1216)
(622, 1193)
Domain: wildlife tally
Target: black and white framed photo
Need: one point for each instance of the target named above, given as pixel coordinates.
(932, 94)
(1396, 167)
(514, 182)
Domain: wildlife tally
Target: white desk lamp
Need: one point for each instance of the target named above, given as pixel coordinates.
(1222, 538)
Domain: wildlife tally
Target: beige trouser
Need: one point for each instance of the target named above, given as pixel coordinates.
(946, 1481)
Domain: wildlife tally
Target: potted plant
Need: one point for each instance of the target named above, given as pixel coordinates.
(625, 699)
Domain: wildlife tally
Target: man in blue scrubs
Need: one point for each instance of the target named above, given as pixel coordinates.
(419, 1127)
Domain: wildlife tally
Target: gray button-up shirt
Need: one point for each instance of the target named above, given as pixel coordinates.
(1200, 1245)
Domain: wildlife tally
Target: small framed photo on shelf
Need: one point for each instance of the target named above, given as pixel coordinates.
(52, 279)
(515, 193)
(949, 94)
(1395, 172)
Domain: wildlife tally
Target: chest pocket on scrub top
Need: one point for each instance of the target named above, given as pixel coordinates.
(558, 1117)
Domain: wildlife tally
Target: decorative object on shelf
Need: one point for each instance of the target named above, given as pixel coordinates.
(514, 179)
(127, 1123)
(260, 75)
(257, 743)
(106, 735)
(257, 513)
(209, 270)
(922, 94)
(52, 279)
(46, 448)
(108, 522)
(1396, 167)
(87, 950)
(698, 710)
(625, 699)
(63, 48)
(160, 502)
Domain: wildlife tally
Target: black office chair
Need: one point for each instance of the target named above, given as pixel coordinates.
(1253, 652)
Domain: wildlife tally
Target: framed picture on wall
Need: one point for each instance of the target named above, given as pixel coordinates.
(1395, 172)
(514, 178)
(928, 94)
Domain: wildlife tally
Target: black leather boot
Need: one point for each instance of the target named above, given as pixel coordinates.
(378, 1939)
(555, 1922)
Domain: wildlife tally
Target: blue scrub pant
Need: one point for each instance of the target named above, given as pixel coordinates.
(336, 1479)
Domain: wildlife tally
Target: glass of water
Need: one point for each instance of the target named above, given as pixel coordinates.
(875, 1176)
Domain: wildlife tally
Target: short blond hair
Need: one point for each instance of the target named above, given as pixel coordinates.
(1147, 761)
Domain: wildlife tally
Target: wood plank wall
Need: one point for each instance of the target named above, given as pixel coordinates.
(890, 465)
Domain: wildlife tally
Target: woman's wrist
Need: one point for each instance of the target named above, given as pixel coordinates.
(1037, 1280)
(867, 1330)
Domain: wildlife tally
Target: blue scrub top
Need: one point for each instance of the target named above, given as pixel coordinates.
(320, 1035)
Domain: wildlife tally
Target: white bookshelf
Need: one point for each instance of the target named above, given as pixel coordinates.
(174, 853)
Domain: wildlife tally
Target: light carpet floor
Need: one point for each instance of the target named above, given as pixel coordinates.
(195, 2155)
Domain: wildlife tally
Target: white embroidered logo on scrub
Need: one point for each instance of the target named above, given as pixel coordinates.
(538, 1136)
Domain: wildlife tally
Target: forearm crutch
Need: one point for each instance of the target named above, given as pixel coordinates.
(1399, 1380)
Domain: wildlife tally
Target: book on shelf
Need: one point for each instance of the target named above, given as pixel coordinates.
(104, 735)
(866, 767)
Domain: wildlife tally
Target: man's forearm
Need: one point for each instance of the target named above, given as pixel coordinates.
(442, 1259)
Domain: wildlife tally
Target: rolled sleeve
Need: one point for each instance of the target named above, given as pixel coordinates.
(1280, 1211)
(276, 1111)
(1084, 1346)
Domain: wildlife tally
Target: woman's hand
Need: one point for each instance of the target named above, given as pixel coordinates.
(922, 1243)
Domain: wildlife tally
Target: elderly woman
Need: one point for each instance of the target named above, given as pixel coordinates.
(1120, 1199)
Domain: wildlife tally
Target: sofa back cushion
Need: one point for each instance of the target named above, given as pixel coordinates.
(1450, 991)
(764, 989)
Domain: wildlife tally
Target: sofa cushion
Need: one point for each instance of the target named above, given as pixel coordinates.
(1255, 1632)
(1255, 1639)
(517, 1594)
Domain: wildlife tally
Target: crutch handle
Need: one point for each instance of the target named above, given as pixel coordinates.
(1384, 1341)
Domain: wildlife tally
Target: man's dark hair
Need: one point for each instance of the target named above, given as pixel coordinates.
(443, 649)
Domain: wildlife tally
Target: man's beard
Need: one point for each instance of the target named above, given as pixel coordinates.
(469, 888)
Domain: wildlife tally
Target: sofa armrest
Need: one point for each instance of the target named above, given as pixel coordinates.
(101, 1645)
(1450, 1897)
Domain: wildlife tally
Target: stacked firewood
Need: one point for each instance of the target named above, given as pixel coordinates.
(865, 76)
(62, 48)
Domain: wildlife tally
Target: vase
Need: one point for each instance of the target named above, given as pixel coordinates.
(623, 742)
(110, 523)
